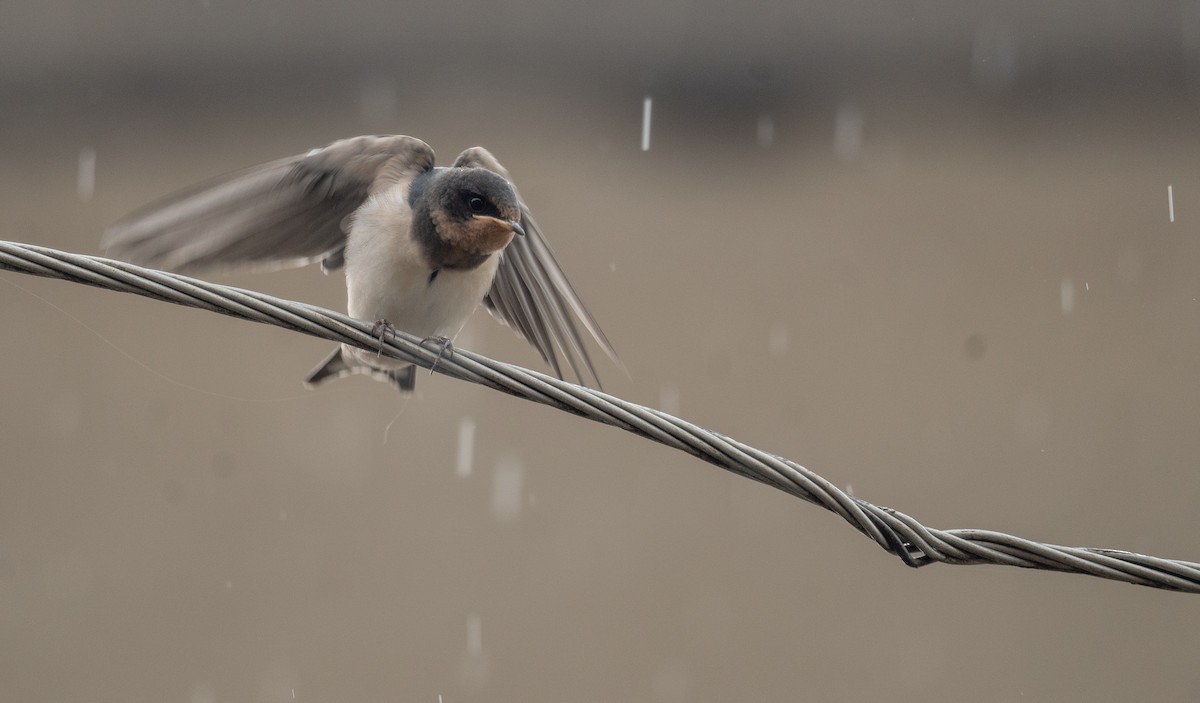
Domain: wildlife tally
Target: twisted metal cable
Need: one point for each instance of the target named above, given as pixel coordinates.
(897, 533)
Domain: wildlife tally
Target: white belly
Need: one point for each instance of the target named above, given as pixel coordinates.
(403, 295)
(387, 278)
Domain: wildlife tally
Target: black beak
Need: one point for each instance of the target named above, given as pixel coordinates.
(516, 226)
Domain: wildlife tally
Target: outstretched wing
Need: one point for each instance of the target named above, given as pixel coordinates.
(532, 295)
(281, 214)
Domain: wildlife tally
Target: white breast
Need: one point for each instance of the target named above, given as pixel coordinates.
(387, 277)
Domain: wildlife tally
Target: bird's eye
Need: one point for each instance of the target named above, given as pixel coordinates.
(476, 204)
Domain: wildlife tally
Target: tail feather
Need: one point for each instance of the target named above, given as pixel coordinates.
(404, 379)
(335, 366)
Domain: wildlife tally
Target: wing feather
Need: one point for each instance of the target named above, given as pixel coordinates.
(533, 296)
(281, 214)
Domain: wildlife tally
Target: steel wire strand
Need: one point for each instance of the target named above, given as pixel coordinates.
(915, 544)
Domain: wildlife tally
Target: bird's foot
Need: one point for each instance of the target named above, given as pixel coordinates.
(380, 330)
(445, 347)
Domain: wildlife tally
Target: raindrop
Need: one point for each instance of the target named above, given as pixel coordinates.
(466, 447)
(668, 398)
(847, 131)
(1067, 295)
(766, 131)
(474, 634)
(646, 124)
(994, 58)
(85, 183)
(507, 477)
(475, 668)
(1171, 203)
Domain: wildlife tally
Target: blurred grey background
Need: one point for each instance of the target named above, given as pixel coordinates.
(924, 248)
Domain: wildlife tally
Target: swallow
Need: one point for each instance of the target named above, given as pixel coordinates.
(421, 246)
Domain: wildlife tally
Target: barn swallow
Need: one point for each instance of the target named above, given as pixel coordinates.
(421, 245)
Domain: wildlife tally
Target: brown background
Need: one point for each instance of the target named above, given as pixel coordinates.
(875, 290)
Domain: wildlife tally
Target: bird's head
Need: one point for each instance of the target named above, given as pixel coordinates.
(477, 212)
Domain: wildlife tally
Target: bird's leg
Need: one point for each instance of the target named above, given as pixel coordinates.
(446, 347)
(380, 330)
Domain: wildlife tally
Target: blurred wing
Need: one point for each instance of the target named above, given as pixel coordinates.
(532, 295)
(280, 214)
